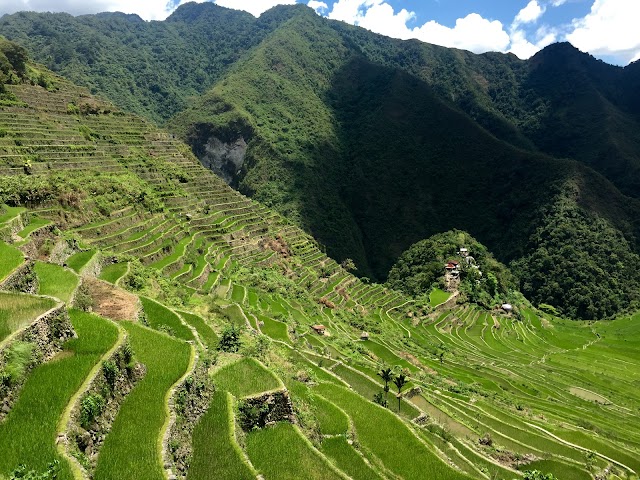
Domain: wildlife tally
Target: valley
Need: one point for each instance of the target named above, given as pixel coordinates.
(155, 323)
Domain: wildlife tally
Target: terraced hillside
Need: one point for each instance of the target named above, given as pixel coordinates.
(199, 358)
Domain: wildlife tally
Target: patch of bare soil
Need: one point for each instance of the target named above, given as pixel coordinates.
(112, 302)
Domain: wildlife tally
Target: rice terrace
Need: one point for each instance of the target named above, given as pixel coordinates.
(156, 323)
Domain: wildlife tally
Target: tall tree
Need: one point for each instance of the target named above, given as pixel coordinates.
(387, 376)
(400, 381)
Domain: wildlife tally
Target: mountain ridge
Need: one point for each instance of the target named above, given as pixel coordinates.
(319, 111)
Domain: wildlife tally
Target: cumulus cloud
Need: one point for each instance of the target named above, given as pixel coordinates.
(382, 19)
(520, 45)
(610, 28)
(254, 7)
(472, 32)
(319, 7)
(529, 14)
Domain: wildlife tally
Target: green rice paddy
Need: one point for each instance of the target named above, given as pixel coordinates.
(18, 311)
(56, 281)
(77, 261)
(28, 435)
(113, 272)
(161, 318)
(245, 377)
(215, 451)
(131, 450)
(10, 259)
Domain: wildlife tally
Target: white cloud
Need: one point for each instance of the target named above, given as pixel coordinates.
(611, 28)
(557, 3)
(382, 19)
(472, 32)
(319, 7)
(532, 12)
(520, 46)
(254, 7)
(636, 58)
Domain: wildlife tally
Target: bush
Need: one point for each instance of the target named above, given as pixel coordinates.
(90, 408)
(110, 371)
(21, 472)
(230, 339)
(252, 416)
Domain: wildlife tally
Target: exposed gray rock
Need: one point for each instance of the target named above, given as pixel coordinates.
(225, 159)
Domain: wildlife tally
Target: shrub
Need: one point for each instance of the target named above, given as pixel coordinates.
(110, 371)
(90, 408)
(230, 339)
(252, 416)
(21, 472)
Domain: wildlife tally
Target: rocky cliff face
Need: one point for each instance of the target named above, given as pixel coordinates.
(225, 159)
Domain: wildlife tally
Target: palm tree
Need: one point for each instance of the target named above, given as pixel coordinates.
(387, 376)
(400, 381)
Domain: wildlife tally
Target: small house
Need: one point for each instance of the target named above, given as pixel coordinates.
(319, 329)
(464, 252)
(507, 307)
(452, 265)
(364, 336)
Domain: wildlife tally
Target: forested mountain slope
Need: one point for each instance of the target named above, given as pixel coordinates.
(372, 144)
(155, 323)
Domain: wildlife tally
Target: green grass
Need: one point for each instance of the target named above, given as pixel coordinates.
(28, 434)
(131, 448)
(178, 252)
(235, 315)
(388, 438)
(386, 355)
(161, 318)
(237, 293)
(17, 311)
(114, 272)
(245, 377)
(560, 470)
(437, 296)
(274, 329)
(331, 420)
(215, 451)
(77, 261)
(368, 389)
(9, 213)
(34, 224)
(281, 452)
(56, 281)
(10, 259)
(211, 279)
(206, 333)
(347, 459)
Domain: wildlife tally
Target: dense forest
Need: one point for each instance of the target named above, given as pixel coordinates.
(373, 144)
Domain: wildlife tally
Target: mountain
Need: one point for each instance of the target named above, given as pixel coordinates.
(155, 323)
(372, 144)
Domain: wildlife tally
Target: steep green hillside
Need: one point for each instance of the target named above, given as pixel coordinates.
(372, 144)
(150, 68)
(371, 161)
(203, 358)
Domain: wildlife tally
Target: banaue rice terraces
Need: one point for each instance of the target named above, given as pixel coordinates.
(157, 324)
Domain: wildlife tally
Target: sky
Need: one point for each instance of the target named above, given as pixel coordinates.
(608, 29)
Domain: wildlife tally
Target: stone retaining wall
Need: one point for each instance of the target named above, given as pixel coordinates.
(47, 334)
(23, 279)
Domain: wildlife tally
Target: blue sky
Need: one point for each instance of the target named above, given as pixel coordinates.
(605, 28)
